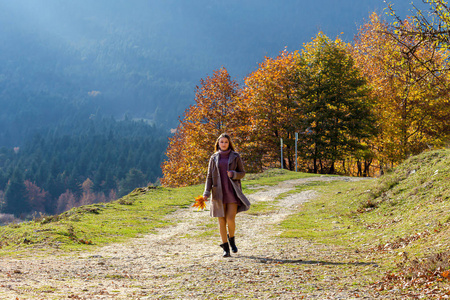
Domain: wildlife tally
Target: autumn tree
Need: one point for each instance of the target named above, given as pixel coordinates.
(36, 196)
(217, 109)
(66, 201)
(431, 26)
(269, 96)
(334, 103)
(411, 102)
(88, 196)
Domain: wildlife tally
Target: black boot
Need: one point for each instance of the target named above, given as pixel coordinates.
(226, 250)
(232, 244)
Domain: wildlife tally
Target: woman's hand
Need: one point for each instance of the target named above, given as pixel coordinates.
(230, 174)
(205, 198)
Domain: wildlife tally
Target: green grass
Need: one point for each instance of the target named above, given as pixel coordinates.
(324, 219)
(273, 177)
(268, 207)
(134, 215)
(99, 224)
(262, 208)
(407, 209)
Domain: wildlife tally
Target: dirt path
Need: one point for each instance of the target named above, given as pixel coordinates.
(181, 263)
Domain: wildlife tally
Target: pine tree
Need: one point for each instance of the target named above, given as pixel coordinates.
(16, 195)
(134, 179)
(335, 104)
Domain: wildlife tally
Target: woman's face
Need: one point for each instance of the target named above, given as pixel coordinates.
(224, 144)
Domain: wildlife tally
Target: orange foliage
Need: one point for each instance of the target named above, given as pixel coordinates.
(412, 99)
(199, 203)
(216, 110)
(269, 96)
(36, 196)
(446, 274)
(328, 94)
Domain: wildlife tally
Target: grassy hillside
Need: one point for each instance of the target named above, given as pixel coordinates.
(401, 219)
(414, 198)
(83, 227)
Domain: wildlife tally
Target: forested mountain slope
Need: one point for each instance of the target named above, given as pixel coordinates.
(78, 164)
(120, 57)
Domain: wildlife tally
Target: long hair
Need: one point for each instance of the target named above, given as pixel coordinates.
(224, 135)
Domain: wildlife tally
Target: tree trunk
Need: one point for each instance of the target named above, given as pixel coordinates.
(367, 164)
(332, 170)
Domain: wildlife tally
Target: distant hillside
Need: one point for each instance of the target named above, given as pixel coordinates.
(143, 58)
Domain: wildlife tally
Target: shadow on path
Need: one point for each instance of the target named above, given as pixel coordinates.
(306, 262)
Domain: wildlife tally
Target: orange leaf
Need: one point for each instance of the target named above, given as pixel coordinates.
(446, 274)
(199, 203)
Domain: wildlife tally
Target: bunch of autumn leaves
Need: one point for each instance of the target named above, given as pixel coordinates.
(199, 203)
(356, 108)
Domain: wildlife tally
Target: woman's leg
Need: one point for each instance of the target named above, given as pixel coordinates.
(229, 219)
(223, 226)
(223, 234)
(230, 215)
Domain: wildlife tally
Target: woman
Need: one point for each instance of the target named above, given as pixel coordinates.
(225, 172)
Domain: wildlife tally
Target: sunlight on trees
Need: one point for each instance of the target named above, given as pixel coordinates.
(216, 110)
(358, 108)
(411, 102)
